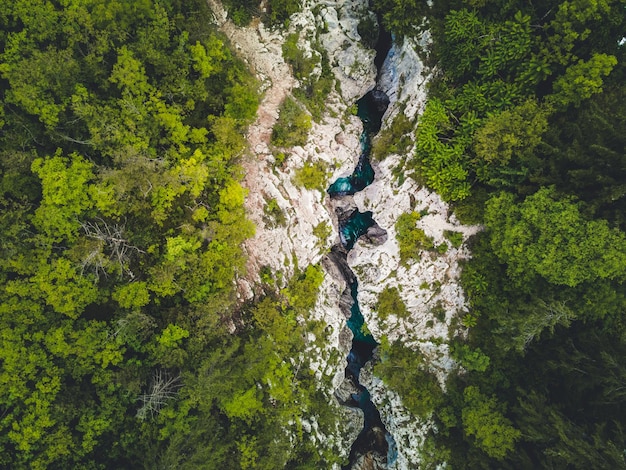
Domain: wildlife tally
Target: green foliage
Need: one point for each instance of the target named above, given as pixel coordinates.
(402, 17)
(293, 125)
(241, 11)
(65, 195)
(279, 159)
(390, 303)
(483, 419)
(438, 310)
(583, 155)
(494, 63)
(301, 66)
(412, 240)
(505, 145)
(281, 10)
(274, 215)
(260, 384)
(470, 359)
(405, 371)
(314, 73)
(511, 133)
(475, 46)
(121, 224)
(242, 104)
(171, 336)
(571, 26)
(510, 44)
(121, 219)
(314, 93)
(244, 405)
(527, 100)
(440, 164)
(455, 238)
(303, 288)
(134, 295)
(322, 231)
(368, 30)
(583, 440)
(582, 80)
(466, 37)
(313, 175)
(41, 83)
(267, 276)
(63, 288)
(395, 139)
(548, 235)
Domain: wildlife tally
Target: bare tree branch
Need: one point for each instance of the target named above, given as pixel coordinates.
(112, 235)
(163, 388)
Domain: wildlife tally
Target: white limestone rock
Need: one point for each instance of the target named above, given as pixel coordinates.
(335, 142)
(351, 61)
(426, 284)
(335, 27)
(408, 432)
(404, 76)
(429, 286)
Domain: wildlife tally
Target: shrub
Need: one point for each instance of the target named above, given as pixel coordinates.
(279, 159)
(314, 89)
(314, 94)
(438, 311)
(281, 10)
(322, 231)
(266, 274)
(470, 359)
(455, 238)
(303, 288)
(442, 249)
(412, 240)
(368, 30)
(241, 11)
(406, 372)
(396, 138)
(274, 215)
(312, 176)
(302, 66)
(293, 125)
(390, 302)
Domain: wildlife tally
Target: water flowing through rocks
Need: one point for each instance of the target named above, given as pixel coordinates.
(374, 447)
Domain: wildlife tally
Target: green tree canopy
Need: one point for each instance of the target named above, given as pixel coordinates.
(549, 236)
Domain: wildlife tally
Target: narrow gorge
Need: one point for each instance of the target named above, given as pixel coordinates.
(235, 234)
(363, 202)
(374, 444)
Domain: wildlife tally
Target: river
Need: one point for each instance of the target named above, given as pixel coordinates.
(373, 444)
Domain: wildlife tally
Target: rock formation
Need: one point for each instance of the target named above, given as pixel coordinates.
(375, 257)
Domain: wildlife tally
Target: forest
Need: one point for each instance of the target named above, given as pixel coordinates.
(121, 218)
(523, 132)
(122, 343)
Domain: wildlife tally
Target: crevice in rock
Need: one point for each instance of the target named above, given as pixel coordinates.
(374, 447)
